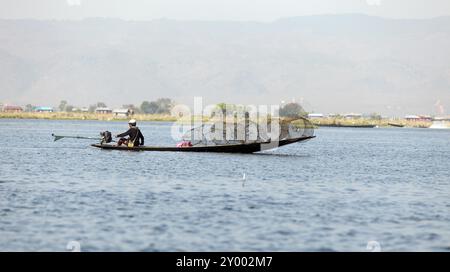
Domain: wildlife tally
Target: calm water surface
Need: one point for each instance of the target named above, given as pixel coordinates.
(334, 193)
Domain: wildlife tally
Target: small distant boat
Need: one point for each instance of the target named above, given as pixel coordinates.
(395, 125)
(348, 126)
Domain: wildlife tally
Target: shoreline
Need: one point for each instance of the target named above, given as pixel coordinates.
(84, 116)
(322, 122)
(369, 123)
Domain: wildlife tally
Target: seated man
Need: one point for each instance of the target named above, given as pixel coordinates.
(135, 137)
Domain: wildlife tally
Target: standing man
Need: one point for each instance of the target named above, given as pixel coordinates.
(135, 137)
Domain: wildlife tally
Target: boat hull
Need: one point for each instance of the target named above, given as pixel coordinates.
(347, 126)
(395, 125)
(235, 148)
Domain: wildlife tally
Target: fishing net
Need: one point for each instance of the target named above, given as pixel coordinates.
(248, 131)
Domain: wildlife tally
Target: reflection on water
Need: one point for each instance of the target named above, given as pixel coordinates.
(334, 193)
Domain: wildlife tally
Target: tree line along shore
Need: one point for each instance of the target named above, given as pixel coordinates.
(161, 110)
(84, 116)
(327, 121)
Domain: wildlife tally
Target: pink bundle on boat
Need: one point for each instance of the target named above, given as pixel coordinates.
(184, 144)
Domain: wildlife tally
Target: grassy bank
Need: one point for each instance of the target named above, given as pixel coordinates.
(365, 122)
(84, 116)
(169, 118)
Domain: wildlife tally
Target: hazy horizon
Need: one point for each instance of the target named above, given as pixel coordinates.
(389, 57)
(219, 21)
(217, 10)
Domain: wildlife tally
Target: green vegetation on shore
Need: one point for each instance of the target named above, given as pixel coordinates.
(340, 121)
(169, 118)
(84, 116)
(160, 110)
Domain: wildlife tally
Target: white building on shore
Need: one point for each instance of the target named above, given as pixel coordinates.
(103, 110)
(353, 116)
(316, 115)
(121, 112)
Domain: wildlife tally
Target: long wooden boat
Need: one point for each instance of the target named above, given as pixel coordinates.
(232, 148)
(395, 125)
(346, 126)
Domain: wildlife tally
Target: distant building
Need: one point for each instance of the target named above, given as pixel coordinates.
(426, 118)
(122, 112)
(103, 110)
(353, 116)
(43, 109)
(443, 118)
(412, 118)
(80, 110)
(315, 115)
(418, 118)
(12, 109)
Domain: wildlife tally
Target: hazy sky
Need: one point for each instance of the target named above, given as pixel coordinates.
(254, 10)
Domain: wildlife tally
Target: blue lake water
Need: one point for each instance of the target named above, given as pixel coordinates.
(334, 193)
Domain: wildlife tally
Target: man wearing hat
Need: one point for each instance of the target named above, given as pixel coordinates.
(135, 137)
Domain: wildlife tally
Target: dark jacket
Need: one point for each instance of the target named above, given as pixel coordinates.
(134, 134)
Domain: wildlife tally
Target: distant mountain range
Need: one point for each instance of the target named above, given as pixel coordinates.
(329, 63)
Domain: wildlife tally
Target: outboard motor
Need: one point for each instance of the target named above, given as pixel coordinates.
(106, 137)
